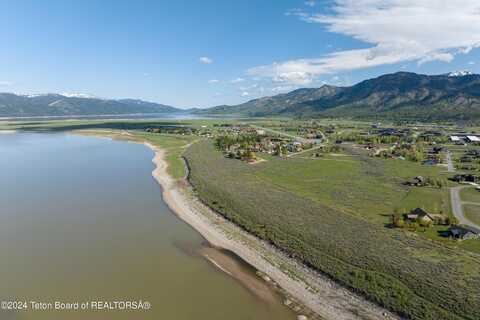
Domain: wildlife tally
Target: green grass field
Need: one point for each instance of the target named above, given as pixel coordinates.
(330, 215)
(470, 195)
(472, 212)
(367, 187)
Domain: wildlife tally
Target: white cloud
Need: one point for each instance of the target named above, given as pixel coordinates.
(397, 31)
(310, 3)
(471, 63)
(6, 83)
(213, 81)
(237, 80)
(205, 60)
(245, 94)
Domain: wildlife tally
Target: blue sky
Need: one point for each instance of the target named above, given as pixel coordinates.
(205, 53)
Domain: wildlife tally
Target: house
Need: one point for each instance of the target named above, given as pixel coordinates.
(419, 214)
(430, 162)
(417, 181)
(294, 146)
(260, 132)
(455, 138)
(473, 139)
(464, 178)
(437, 150)
(464, 232)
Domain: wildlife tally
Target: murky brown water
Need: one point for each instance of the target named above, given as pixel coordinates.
(82, 220)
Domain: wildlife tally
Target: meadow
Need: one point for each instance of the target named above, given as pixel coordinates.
(470, 194)
(367, 187)
(472, 212)
(331, 215)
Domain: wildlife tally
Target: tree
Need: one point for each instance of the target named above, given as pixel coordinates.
(451, 221)
(397, 221)
(425, 223)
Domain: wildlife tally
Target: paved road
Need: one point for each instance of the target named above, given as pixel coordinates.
(457, 206)
(472, 203)
(299, 139)
(450, 166)
(306, 150)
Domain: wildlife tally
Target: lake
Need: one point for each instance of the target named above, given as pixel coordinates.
(82, 220)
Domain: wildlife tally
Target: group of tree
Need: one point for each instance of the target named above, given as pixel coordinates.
(224, 142)
(435, 182)
(413, 152)
(400, 220)
(171, 130)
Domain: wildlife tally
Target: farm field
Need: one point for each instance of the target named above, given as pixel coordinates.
(331, 215)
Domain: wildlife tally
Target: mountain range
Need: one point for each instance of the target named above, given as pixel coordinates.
(401, 95)
(17, 105)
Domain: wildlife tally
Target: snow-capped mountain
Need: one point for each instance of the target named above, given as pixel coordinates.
(460, 73)
(79, 95)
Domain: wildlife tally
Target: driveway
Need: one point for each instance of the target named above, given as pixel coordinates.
(450, 166)
(457, 208)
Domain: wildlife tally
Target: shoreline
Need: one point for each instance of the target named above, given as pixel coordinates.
(319, 294)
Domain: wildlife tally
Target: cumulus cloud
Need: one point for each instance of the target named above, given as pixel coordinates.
(214, 81)
(205, 60)
(310, 3)
(396, 30)
(245, 94)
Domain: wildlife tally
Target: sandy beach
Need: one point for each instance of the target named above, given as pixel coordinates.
(316, 292)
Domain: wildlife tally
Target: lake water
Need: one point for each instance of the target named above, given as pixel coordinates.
(82, 219)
